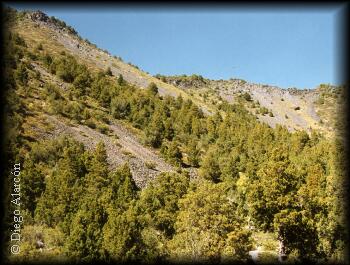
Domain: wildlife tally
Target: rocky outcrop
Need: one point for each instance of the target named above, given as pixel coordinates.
(38, 16)
(52, 22)
(184, 82)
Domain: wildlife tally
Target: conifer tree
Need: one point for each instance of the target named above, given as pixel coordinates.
(64, 188)
(33, 185)
(152, 88)
(210, 169)
(155, 130)
(85, 239)
(97, 178)
(208, 228)
(122, 240)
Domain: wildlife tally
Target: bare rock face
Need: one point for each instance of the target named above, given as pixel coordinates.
(38, 16)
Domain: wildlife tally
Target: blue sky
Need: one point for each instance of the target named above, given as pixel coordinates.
(283, 47)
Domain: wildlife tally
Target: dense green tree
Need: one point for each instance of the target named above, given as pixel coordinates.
(207, 227)
(229, 166)
(82, 82)
(121, 231)
(193, 152)
(152, 88)
(273, 190)
(120, 80)
(63, 190)
(33, 185)
(210, 168)
(158, 206)
(120, 107)
(155, 131)
(297, 232)
(109, 71)
(160, 201)
(97, 178)
(169, 129)
(85, 239)
(64, 68)
(121, 190)
(172, 153)
(122, 240)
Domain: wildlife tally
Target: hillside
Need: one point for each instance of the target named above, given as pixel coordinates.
(39, 28)
(120, 166)
(294, 108)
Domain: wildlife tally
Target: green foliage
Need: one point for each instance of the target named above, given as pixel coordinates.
(33, 185)
(229, 167)
(290, 184)
(84, 242)
(122, 188)
(247, 96)
(150, 165)
(193, 152)
(121, 234)
(103, 128)
(63, 188)
(97, 178)
(210, 169)
(297, 232)
(21, 74)
(274, 183)
(18, 40)
(64, 68)
(81, 82)
(109, 71)
(172, 153)
(47, 59)
(120, 80)
(264, 110)
(90, 123)
(160, 201)
(73, 110)
(120, 107)
(155, 131)
(207, 228)
(152, 88)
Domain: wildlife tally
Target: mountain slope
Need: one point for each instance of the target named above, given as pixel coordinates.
(254, 182)
(296, 109)
(37, 27)
(122, 142)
